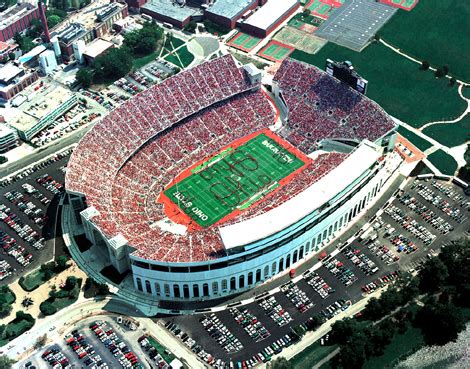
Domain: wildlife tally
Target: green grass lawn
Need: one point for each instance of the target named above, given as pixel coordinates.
(435, 30)
(138, 63)
(32, 280)
(416, 140)
(311, 355)
(413, 96)
(466, 92)
(401, 346)
(161, 350)
(444, 162)
(233, 179)
(452, 134)
(185, 57)
(15, 328)
(6, 295)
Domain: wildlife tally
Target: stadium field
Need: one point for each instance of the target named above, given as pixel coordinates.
(436, 31)
(235, 178)
(275, 51)
(243, 41)
(415, 97)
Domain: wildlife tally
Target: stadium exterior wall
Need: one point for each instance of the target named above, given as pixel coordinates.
(239, 272)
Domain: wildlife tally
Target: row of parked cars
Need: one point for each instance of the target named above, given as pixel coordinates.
(337, 268)
(8, 243)
(457, 197)
(298, 297)
(442, 204)
(27, 172)
(318, 284)
(6, 269)
(50, 184)
(115, 345)
(265, 355)
(361, 260)
(24, 203)
(221, 333)
(195, 347)
(275, 311)
(84, 350)
(97, 96)
(127, 86)
(25, 231)
(140, 78)
(56, 359)
(152, 352)
(335, 308)
(409, 224)
(387, 278)
(250, 324)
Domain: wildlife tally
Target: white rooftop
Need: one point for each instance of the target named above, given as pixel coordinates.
(269, 13)
(9, 71)
(97, 47)
(5, 131)
(288, 213)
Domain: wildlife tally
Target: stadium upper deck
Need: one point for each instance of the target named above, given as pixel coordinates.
(125, 162)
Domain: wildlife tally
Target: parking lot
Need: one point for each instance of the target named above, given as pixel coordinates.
(27, 215)
(100, 342)
(255, 331)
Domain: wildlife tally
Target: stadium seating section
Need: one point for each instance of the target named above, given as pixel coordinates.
(127, 159)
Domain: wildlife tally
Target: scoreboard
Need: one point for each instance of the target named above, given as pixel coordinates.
(345, 72)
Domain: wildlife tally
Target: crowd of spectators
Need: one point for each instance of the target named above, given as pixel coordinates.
(321, 107)
(123, 163)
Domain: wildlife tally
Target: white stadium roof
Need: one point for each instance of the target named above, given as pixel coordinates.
(306, 202)
(269, 13)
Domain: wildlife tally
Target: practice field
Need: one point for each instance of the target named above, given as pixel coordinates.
(235, 178)
(243, 41)
(275, 51)
(298, 39)
(435, 30)
(415, 97)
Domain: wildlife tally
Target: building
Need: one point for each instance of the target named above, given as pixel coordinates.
(173, 248)
(14, 79)
(171, 12)
(228, 12)
(96, 48)
(6, 49)
(8, 138)
(88, 25)
(31, 58)
(269, 17)
(47, 62)
(42, 110)
(16, 19)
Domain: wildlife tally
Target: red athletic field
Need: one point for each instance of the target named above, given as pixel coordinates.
(243, 41)
(276, 51)
(402, 4)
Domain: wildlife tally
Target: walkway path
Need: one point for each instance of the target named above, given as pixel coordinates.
(326, 359)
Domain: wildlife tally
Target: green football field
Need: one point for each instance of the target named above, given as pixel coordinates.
(234, 179)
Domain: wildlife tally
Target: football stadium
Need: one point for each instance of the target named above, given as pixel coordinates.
(211, 183)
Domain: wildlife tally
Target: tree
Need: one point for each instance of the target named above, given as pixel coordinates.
(40, 342)
(455, 257)
(350, 357)
(306, 13)
(21, 315)
(191, 27)
(103, 289)
(6, 362)
(88, 283)
(342, 331)
(445, 69)
(53, 20)
(113, 65)
(281, 363)
(439, 73)
(62, 263)
(433, 275)
(425, 65)
(5, 310)
(374, 309)
(3, 159)
(440, 323)
(70, 283)
(47, 308)
(452, 81)
(85, 77)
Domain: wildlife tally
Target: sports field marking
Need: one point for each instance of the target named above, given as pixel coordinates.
(236, 180)
(402, 4)
(276, 51)
(243, 41)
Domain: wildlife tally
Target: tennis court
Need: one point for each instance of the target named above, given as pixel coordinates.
(236, 178)
(275, 51)
(402, 4)
(243, 41)
(323, 8)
